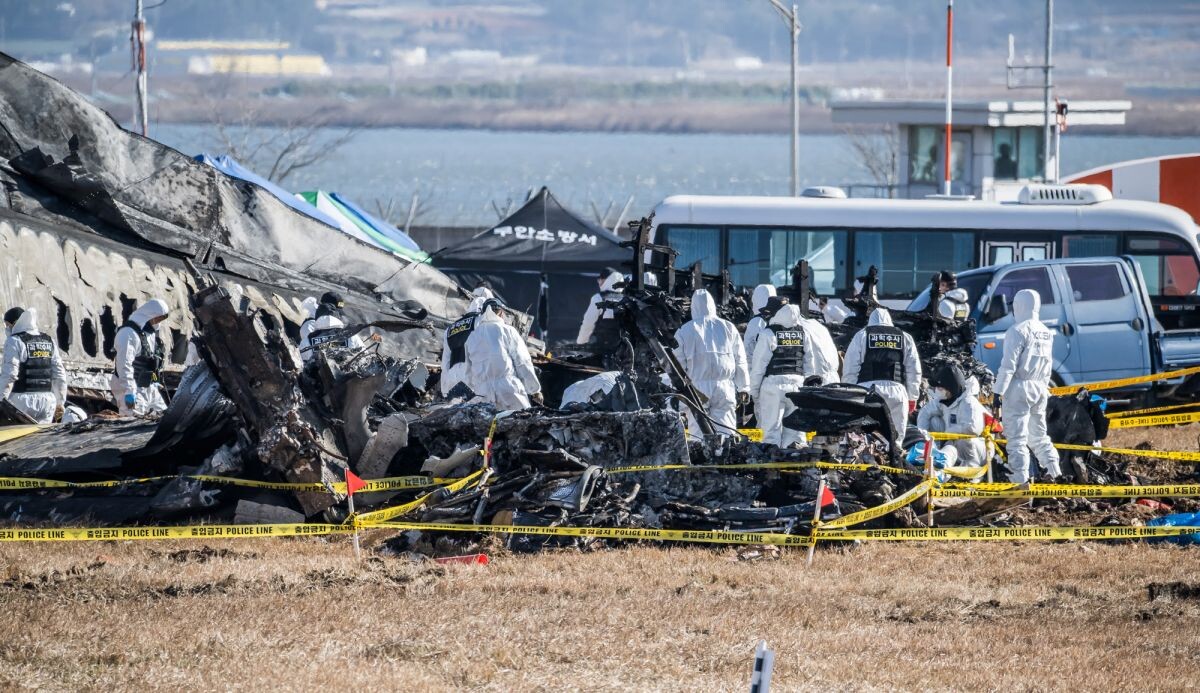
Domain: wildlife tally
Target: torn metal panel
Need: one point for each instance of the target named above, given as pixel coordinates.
(95, 445)
(187, 208)
(260, 374)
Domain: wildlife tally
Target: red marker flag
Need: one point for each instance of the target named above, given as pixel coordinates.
(827, 497)
(353, 483)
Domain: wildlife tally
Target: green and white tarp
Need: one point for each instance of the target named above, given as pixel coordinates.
(354, 221)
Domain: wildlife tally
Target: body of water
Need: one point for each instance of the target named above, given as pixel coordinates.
(461, 174)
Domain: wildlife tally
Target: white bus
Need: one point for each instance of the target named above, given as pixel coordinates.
(759, 239)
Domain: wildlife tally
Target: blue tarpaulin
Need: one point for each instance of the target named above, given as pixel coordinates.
(227, 165)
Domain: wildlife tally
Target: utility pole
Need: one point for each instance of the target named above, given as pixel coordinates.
(949, 93)
(137, 41)
(792, 19)
(1049, 171)
(1049, 141)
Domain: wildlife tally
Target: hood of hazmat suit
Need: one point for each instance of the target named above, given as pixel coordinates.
(758, 322)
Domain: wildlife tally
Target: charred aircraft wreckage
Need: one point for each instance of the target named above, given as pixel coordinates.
(94, 220)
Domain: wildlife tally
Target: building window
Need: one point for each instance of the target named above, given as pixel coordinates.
(924, 150)
(1017, 153)
(908, 259)
(767, 256)
(696, 243)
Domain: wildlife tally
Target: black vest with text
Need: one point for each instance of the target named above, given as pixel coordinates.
(456, 338)
(328, 337)
(883, 357)
(788, 357)
(37, 370)
(148, 363)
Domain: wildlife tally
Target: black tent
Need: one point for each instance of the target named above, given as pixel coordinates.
(540, 238)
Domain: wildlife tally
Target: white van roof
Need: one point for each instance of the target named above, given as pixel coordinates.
(1112, 215)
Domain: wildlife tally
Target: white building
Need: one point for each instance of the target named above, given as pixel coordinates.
(996, 146)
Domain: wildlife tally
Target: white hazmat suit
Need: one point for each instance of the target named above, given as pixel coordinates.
(312, 341)
(711, 353)
(757, 324)
(595, 314)
(40, 399)
(1024, 381)
(861, 367)
(499, 369)
(782, 358)
(131, 344)
(455, 373)
(959, 412)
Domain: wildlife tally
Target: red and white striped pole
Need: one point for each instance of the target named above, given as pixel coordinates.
(949, 91)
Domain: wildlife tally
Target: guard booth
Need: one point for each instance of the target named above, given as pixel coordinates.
(996, 147)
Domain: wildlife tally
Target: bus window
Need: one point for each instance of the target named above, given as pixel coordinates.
(1168, 264)
(1089, 245)
(767, 255)
(694, 243)
(907, 259)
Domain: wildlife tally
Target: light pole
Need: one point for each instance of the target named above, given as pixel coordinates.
(137, 39)
(791, 18)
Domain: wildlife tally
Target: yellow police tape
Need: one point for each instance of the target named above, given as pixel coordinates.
(1002, 533)
(1159, 420)
(377, 516)
(16, 483)
(1066, 491)
(754, 435)
(1122, 382)
(698, 536)
(703, 536)
(1151, 410)
(1180, 455)
(907, 498)
(186, 532)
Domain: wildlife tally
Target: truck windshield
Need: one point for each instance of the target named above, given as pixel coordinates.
(973, 283)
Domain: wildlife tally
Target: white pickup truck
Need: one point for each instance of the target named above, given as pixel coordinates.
(1103, 321)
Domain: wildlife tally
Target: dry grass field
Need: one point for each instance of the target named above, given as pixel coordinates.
(299, 614)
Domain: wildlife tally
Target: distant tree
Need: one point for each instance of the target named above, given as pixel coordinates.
(276, 151)
(878, 153)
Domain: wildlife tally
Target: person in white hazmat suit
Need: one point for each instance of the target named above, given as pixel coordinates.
(140, 357)
(599, 325)
(758, 324)
(954, 407)
(328, 330)
(1023, 382)
(455, 368)
(711, 353)
(777, 367)
(884, 358)
(32, 377)
(793, 349)
(499, 367)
